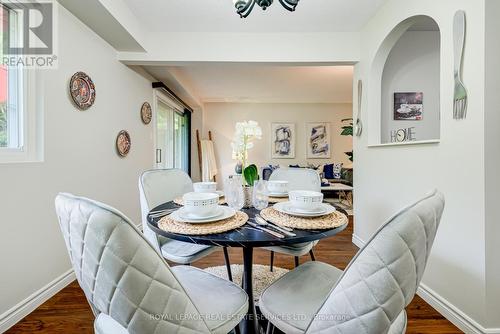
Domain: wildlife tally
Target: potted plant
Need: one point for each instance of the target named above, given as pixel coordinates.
(245, 133)
(347, 131)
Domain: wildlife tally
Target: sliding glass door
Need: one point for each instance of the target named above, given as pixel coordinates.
(172, 136)
(181, 142)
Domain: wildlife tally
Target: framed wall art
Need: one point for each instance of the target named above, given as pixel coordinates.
(283, 140)
(318, 140)
(408, 106)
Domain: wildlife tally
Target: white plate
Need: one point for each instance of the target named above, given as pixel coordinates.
(318, 211)
(278, 194)
(193, 216)
(286, 207)
(226, 212)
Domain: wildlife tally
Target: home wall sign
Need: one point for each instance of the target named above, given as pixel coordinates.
(403, 135)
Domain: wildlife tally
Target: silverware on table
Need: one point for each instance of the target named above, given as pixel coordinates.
(358, 126)
(460, 93)
(263, 229)
(161, 213)
(272, 224)
(262, 222)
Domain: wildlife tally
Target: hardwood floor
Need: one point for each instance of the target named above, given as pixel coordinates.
(68, 311)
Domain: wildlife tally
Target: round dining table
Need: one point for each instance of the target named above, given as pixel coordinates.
(248, 238)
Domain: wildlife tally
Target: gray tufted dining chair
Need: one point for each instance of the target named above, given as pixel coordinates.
(298, 179)
(128, 284)
(370, 296)
(156, 187)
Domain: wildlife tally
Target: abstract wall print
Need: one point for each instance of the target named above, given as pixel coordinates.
(318, 140)
(408, 106)
(283, 140)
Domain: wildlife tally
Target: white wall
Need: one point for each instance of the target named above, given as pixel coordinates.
(387, 178)
(270, 47)
(221, 118)
(492, 162)
(80, 158)
(412, 66)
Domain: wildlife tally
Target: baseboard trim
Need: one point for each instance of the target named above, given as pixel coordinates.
(443, 306)
(28, 305)
(357, 241)
(452, 313)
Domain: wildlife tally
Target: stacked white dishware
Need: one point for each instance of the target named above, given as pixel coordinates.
(207, 187)
(202, 207)
(304, 203)
(277, 188)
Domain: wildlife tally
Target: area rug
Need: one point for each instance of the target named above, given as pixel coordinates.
(262, 276)
(341, 205)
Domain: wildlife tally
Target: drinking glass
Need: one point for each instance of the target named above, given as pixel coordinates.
(260, 195)
(233, 192)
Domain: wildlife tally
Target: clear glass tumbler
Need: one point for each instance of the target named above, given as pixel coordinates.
(233, 192)
(260, 196)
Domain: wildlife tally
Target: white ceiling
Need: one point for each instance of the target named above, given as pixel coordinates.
(259, 83)
(220, 16)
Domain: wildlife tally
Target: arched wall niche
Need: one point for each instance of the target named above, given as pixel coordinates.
(405, 71)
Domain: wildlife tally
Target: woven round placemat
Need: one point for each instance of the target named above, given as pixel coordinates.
(179, 201)
(332, 220)
(173, 226)
(278, 199)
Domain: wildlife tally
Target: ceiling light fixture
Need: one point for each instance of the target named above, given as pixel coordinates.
(244, 7)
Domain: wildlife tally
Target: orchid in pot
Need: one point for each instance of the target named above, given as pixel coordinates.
(245, 134)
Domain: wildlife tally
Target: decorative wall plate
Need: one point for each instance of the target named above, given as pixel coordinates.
(146, 113)
(82, 90)
(123, 143)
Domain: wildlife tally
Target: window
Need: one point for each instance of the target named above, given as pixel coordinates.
(11, 86)
(20, 112)
(172, 135)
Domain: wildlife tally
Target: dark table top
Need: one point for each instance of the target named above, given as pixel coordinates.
(244, 236)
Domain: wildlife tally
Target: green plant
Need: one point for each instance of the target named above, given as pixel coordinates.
(251, 174)
(347, 131)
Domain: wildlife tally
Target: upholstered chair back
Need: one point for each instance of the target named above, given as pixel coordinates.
(298, 178)
(158, 186)
(121, 273)
(383, 277)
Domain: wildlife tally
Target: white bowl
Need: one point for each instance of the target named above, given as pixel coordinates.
(205, 187)
(305, 200)
(200, 204)
(277, 187)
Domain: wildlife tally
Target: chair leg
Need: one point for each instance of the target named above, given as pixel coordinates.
(228, 264)
(311, 253)
(297, 261)
(270, 328)
(272, 260)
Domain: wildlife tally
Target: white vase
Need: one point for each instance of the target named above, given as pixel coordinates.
(247, 192)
